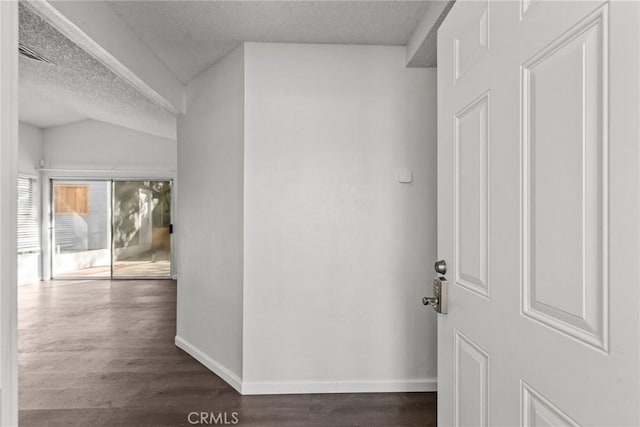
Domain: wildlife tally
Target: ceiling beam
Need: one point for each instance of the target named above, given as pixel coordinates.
(422, 46)
(95, 28)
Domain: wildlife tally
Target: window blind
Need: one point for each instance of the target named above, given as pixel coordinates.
(28, 224)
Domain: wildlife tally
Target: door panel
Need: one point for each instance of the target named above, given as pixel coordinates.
(472, 41)
(564, 167)
(471, 383)
(538, 194)
(538, 411)
(472, 196)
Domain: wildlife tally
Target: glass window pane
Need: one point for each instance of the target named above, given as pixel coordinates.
(81, 229)
(141, 229)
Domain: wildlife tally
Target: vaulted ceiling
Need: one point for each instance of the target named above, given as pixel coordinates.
(126, 62)
(75, 86)
(190, 36)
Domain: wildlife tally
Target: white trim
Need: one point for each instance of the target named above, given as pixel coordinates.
(305, 387)
(8, 195)
(309, 387)
(216, 367)
(111, 171)
(146, 174)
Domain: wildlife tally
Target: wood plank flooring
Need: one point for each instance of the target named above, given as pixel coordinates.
(101, 353)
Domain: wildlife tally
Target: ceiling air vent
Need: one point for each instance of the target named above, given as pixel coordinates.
(32, 54)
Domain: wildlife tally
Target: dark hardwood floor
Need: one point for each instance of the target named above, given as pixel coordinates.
(101, 353)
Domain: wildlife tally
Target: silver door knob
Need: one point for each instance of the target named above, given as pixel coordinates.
(440, 267)
(433, 301)
(439, 301)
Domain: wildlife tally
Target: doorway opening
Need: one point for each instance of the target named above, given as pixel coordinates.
(111, 229)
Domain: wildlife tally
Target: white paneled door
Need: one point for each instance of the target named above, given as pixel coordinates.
(538, 213)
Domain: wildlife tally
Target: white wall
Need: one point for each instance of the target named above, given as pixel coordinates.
(338, 254)
(210, 171)
(29, 154)
(93, 144)
(29, 148)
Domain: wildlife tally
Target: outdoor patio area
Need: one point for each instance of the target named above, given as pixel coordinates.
(126, 269)
(152, 264)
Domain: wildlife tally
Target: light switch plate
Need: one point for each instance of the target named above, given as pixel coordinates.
(405, 176)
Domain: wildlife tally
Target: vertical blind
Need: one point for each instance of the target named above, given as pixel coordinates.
(28, 224)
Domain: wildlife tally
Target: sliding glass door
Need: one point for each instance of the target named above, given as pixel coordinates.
(111, 228)
(81, 216)
(141, 228)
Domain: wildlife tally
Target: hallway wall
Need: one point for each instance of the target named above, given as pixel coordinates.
(303, 259)
(209, 230)
(338, 253)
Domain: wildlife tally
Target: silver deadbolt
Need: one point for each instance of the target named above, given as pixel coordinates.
(441, 267)
(440, 299)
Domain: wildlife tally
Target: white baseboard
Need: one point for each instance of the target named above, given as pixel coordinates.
(217, 368)
(304, 387)
(309, 387)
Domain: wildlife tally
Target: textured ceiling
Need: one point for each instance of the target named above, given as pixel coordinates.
(77, 86)
(190, 36)
(42, 112)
